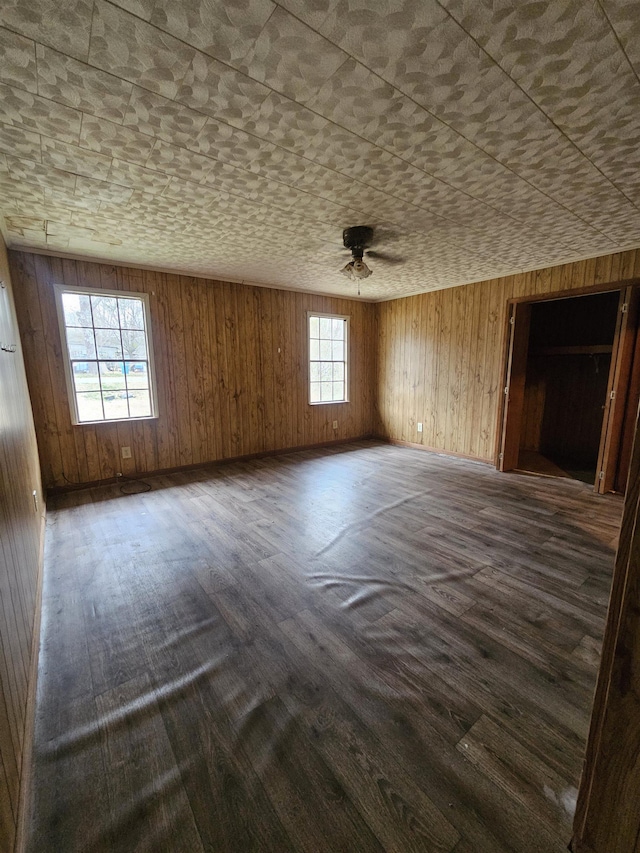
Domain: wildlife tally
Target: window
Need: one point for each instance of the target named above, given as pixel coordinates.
(328, 335)
(109, 364)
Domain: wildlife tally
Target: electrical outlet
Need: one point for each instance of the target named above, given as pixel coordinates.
(419, 427)
(126, 452)
(335, 424)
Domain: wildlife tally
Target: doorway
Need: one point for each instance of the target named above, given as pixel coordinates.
(572, 387)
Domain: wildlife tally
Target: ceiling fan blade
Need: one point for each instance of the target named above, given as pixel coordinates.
(382, 256)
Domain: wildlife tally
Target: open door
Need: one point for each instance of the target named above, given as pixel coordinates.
(616, 402)
(516, 376)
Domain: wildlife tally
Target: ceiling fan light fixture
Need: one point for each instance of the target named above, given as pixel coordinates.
(356, 269)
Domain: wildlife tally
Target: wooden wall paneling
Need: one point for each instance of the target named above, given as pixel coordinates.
(202, 309)
(178, 368)
(195, 359)
(36, 362)
(161, 323)
(217, 440)
(224, 390)
(268, 358)
(47, 275)
(21, 532)
(224, 370)
(607, 819)
(253, 355)
(469, 365)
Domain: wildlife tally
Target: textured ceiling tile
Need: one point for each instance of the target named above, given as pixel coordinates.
(68, 201)
(224, 30)
(15, 192)
(292, 58)
(132, 49)
(22, 143)
(103, 190)
(113, 140)
(353, 97)
(158, 116)
(23, 109)
(391, 32)
(62, 24)
(179, 162)
(312, 12)
(18, 67)
(139, 8)
(220, 91)
(196, 195)
(130, 175)
(284, 122)
(625, 20)
(580, 79)
(71, 158)
(230, 145)
(67, 81)
(43, 175)
(226, 178)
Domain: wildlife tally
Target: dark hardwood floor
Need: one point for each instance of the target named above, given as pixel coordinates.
(366, 648)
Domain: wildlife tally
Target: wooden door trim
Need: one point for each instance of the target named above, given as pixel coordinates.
(515, 379)
(590, 290)
(619, 373)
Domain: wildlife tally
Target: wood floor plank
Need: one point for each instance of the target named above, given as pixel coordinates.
(290, 654)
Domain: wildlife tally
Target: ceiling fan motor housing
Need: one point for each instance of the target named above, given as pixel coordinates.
(357, 239)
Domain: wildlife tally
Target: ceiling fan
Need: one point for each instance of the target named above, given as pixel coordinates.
(357, 240)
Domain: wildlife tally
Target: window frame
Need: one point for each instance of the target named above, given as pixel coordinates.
(347, 358)
(59, 290)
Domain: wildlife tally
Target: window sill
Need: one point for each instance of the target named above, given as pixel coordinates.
(329, 403)
(116, 421)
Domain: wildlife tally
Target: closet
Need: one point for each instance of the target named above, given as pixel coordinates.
(572, 387)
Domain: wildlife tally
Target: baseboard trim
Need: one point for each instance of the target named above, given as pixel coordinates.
(439, 450)
(24, 798)
(213, 463)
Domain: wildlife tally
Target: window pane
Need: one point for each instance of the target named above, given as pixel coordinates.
(108, 343)
(140, 404)
(326, 371)
(133, 344)
(105, 312)
(325, 327)
(337, 330)
(338, 350)
(85, 375)
(115, 404)
(81, 343)
(89, 407)
(338, 390)
(326, 391)
(314, 392)
(338, 371)
(77, 309)
(314, 371)
(112, 376)
(131, 313)
(314, 350)
(137, 374)
(325, 350)
(314, 327)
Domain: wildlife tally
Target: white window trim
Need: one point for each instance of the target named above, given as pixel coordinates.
(347, 362)
(123, 294)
